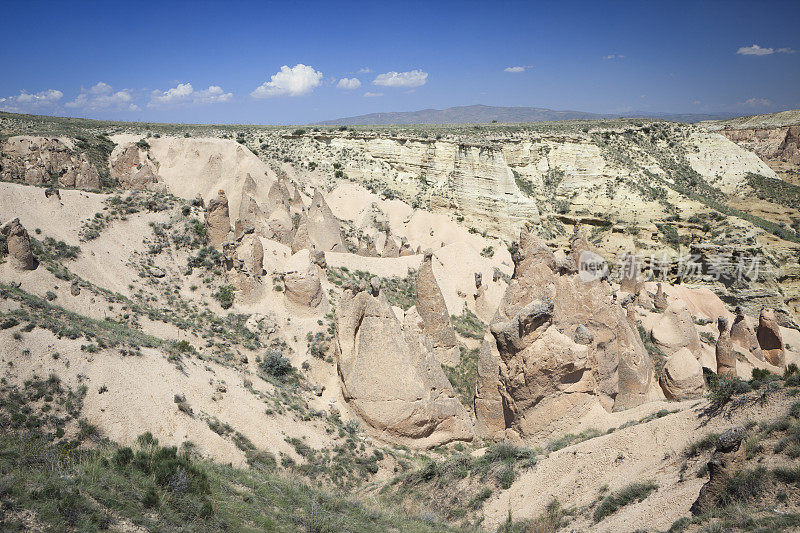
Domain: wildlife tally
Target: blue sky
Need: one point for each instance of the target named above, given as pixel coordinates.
(223, 61)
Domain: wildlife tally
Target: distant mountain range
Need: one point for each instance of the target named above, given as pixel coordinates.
(482, 114)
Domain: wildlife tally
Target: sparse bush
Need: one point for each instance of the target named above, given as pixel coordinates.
(224, 296)
(276, 365)
(633, 493)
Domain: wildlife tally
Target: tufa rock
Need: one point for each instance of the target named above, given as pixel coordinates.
(390, 379)
(769, 338)
(304, 288)
(682, 376)
(660, 299)
(726, 360)
(728, 459)
(18, 243)
(744, 336)
(545, 377)
(432, 307)
(218, 221)
(675, 330)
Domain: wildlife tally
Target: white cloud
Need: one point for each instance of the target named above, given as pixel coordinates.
(213, 95)
(785, 51)
(28, 101)
(516, 69)
(349, 83)
(757, 102)
(364, 70)
(372, 95)
(180, 93)
(413, 78)
(184, 93)
(754, 50)
(298, 80)
(102, 96)
(614, 56)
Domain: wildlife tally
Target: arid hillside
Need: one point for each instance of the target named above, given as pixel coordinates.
(577, 325)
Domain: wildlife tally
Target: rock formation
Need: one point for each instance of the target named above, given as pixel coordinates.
(546, 376)
(744, 336)
(629, 281)
(19, 246)
(323, 228)
(389, 377)
(726, 359)
(727, 460)
(769, 338)
(432, 307)
(132, 168)
(218, 221)
(675, 330)
(682, 376)
(390, 249)
(304, 288)
(660, 299)
(42, 161)
(254, 259)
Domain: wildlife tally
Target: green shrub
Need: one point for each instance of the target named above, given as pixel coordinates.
(633, 493)
(224, 296)
(276, 365)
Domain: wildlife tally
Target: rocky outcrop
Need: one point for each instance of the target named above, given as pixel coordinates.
(726, 359)
(563, 346)
(742, 335)
(18, 243)
(769, 338)
(389, 377)
(728, 459)
(682, 376)
(390, 248)
(218, 221)
(324, 232)
(675, 330)
(132, 168)
(432, 307)
(45, 161)
(770, 144)
(630, 281)
(254, 258)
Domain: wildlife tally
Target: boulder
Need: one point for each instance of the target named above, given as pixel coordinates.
(18, 243)
(389, 377)
(682, 376)
(218, 221)
(769, 338)
(304, 288)
(87, 177)
(132, 168)
(726, 359)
